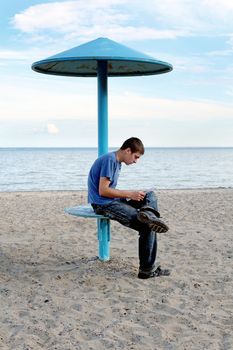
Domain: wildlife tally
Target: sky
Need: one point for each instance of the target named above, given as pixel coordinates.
(189, 107)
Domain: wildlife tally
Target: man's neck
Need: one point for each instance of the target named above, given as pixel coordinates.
(119, 155)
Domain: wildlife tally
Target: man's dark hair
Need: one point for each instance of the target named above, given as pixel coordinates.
(134, 144)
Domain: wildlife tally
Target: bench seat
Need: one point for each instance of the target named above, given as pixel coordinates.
(103, 224)
(85, 211)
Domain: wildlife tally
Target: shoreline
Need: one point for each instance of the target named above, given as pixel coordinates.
(55, 294)
(155, 190)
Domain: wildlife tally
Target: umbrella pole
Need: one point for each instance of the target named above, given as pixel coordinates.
(103, 224)
(102, 107)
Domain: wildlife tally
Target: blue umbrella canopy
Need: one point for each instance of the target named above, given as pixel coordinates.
(82, 61)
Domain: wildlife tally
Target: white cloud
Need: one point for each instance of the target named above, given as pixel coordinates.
(124, 20)
(68, 16)
(23, 55)
(52, 129)
(42, 103)
(221, 9)
(137, 107)
(199, 16)
(83, 21)
(13, 54)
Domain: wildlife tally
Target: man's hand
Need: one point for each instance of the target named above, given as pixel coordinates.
(137, 195)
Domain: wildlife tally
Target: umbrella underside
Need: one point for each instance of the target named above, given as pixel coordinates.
(88, 67)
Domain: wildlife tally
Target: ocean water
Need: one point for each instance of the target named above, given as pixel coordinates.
(42, 169)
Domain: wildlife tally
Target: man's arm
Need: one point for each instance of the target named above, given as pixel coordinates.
(106, 191)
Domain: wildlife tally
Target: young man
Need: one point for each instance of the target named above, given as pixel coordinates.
(135, 209)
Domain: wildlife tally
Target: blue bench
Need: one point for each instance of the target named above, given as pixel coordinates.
(103, 224)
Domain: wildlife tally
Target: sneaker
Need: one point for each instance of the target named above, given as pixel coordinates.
(157, 225)
(156, 273)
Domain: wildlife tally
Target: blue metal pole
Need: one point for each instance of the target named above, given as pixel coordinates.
(103, 224)
(102, 107)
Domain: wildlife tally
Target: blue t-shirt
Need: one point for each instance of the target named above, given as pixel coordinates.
(104, 166)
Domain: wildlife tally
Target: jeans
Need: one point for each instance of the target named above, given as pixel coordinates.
(125, 212)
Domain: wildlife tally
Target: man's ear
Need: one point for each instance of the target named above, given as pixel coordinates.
(128, 150)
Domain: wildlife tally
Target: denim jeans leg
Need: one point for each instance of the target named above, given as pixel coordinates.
(151, 200)
(120, 211)
(147, 249)
(126, 214)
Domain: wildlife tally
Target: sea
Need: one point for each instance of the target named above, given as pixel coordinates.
(52, 169)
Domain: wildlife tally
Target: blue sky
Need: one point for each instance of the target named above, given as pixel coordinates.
(191, 106)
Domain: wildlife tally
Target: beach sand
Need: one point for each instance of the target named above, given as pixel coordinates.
(55, 293)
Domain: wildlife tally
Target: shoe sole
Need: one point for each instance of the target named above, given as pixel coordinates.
(156, 273)
(155, 225)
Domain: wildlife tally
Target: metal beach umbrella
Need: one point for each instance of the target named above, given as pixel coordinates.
(102, 58)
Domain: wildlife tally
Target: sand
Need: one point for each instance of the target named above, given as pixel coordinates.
(55, 293)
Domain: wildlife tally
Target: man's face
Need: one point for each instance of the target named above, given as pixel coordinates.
(130, 157)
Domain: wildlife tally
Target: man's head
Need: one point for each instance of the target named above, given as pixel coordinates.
(131, 150)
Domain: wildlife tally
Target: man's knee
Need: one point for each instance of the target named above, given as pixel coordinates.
(151, 194)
